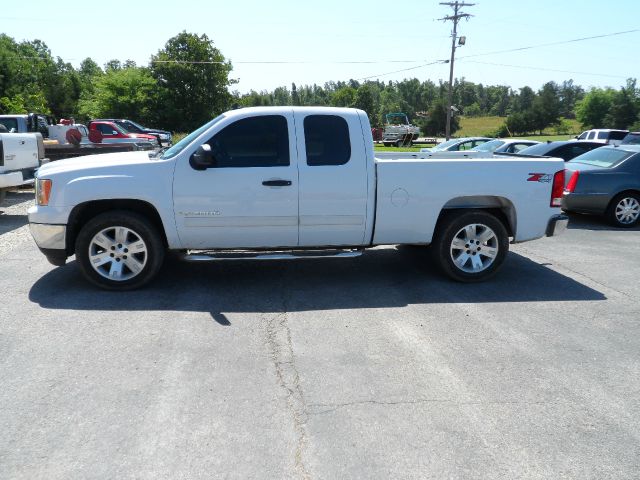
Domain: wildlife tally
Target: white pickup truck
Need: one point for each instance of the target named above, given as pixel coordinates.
(283, 183)
(20, 156)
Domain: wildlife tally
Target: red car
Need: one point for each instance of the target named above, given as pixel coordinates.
(113, 132)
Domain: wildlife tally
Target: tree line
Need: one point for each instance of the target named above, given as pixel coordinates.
(187, 82)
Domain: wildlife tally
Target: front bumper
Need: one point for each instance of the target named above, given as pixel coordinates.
(557, 224)
(49, 236)
(51, 240)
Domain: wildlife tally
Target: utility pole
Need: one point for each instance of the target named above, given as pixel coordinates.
(457, 15)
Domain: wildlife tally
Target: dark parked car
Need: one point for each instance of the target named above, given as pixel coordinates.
(563, 149)
(606, 182)
(164, 137)
(632, 138)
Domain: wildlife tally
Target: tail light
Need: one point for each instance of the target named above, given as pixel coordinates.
(573, 181)
(557, 189)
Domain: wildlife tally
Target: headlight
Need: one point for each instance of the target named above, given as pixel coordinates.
(43, 191)
(164, 136)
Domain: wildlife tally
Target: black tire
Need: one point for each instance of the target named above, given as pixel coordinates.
(616, 217)
(140, 232)
(3, 195)
(451, 226)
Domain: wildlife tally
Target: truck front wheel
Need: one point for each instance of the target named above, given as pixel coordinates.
(471, 246)
(119, 250)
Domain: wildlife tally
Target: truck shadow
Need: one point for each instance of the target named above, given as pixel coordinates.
(382, 278)
(9, 223)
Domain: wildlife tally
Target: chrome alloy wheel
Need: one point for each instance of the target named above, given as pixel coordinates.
(474, 248)
(117, 253)
(627, 210)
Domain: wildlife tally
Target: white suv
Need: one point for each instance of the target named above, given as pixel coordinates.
(604, 135)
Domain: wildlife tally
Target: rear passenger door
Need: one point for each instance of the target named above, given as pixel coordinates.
(333, 180)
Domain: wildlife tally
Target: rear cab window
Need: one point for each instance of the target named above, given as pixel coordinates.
(327, 140)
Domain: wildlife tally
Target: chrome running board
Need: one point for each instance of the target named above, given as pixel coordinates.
(225, 255)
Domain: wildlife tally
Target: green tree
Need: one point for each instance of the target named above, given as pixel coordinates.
(344, 97)
(624, 107)
(126, 93)
(593, 108)
(193, 80)
(435, 122)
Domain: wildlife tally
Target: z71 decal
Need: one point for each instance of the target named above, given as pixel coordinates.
(540, 177)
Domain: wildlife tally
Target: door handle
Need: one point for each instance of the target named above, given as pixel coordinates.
(277, 183)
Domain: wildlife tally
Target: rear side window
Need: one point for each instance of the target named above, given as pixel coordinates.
(10, 123)
(603, 157)
(327, 140)
(252, 142)
(617, 135)
(632, 139)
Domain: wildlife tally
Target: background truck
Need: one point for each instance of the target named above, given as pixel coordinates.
(287, 183)
(20, 156)
(57, 145)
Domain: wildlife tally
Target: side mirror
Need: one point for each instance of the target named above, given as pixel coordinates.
(113, 132)
(202, 158)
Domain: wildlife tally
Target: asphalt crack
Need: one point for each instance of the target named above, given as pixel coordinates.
(278, 339)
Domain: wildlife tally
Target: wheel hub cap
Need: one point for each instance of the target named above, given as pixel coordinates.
(627, 210)
(117, 253)
(474, 248)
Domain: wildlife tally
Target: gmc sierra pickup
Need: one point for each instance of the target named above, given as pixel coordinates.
(284, 183)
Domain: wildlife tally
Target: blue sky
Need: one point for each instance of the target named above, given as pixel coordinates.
(324, 37)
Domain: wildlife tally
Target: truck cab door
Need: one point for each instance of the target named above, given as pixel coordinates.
(248, 198)
(333, 169)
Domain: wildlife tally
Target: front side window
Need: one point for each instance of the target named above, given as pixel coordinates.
(326, 140)
(105, 129)
(252, 142)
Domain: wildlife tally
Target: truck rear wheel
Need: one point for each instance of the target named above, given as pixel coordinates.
(119, 250)
(470, 246)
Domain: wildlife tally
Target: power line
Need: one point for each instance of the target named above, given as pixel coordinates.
(563, 42)
(524, 67)
(403, 70)
(517, 49)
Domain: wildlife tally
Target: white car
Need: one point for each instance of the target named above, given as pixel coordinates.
(458, 144)
(285, 183)
(505, 145)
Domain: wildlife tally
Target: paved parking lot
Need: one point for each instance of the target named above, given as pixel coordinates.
(374, 367)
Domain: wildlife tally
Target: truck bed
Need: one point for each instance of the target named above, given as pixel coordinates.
(411, 193)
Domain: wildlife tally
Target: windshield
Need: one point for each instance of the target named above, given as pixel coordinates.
(130, 126)
(603, 157)
(491, 146)
(445, 145)
(182, 144)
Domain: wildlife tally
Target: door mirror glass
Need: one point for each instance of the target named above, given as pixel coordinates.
(202, 158)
